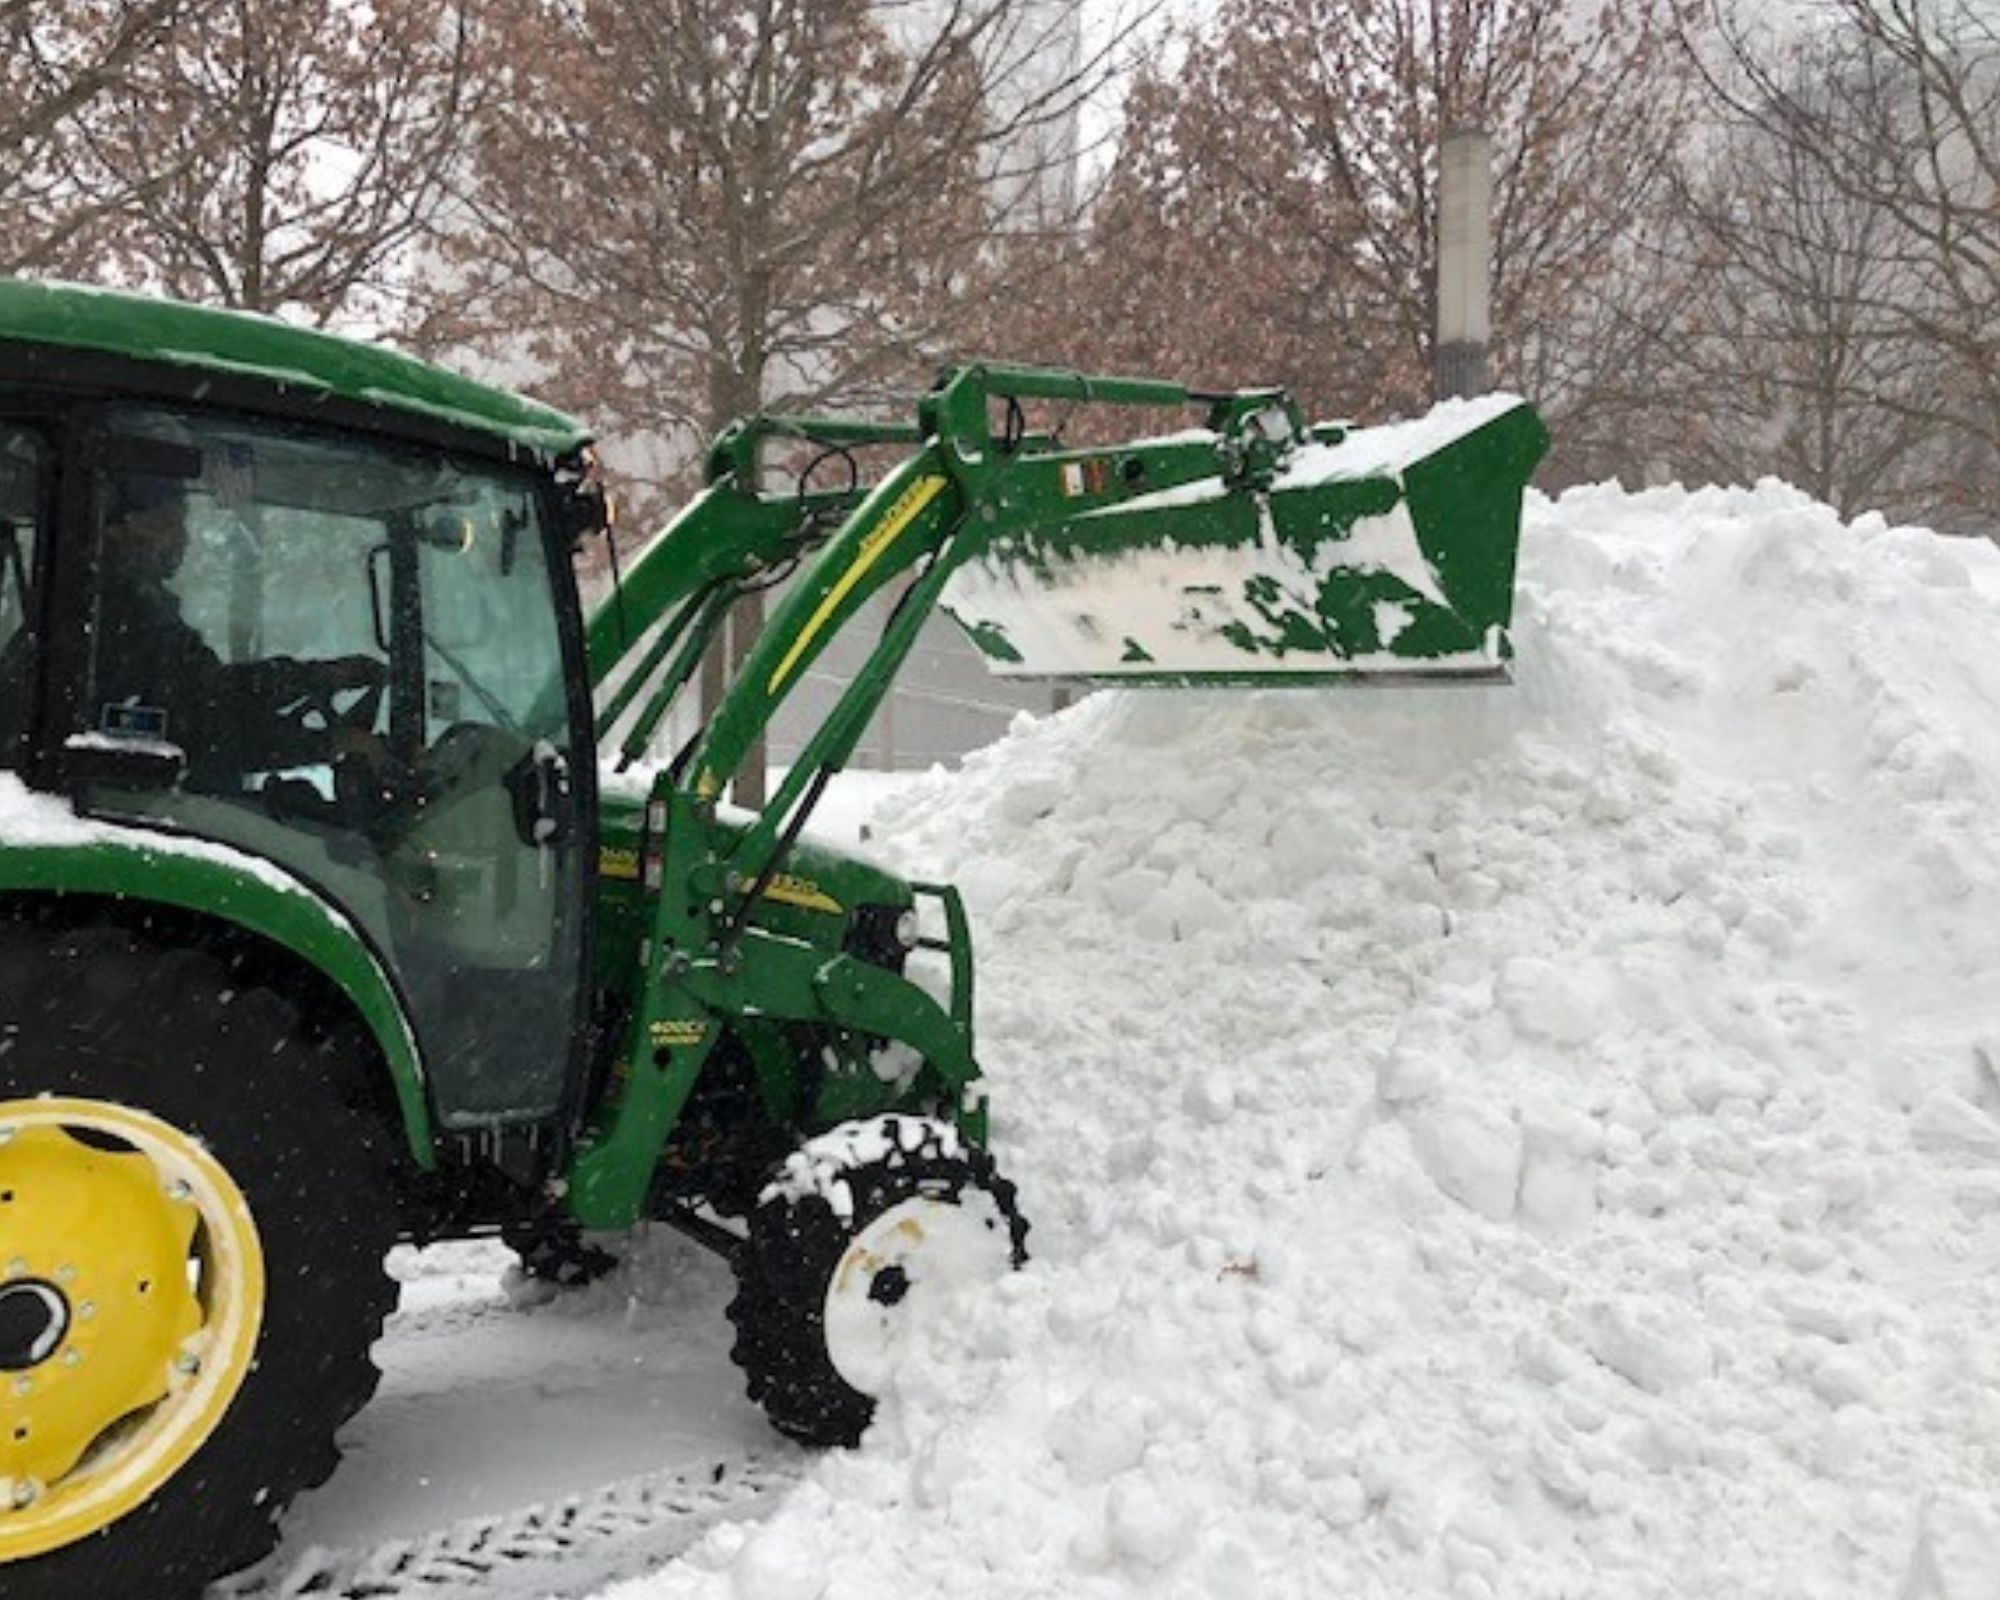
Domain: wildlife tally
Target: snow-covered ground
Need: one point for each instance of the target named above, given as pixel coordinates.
(490, 1405)
(1521, 1142)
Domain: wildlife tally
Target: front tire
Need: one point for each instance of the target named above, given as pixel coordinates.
(851, 1236)
(161, 1122)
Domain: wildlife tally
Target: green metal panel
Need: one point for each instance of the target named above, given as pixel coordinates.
(294, 919)
(237, 344)
(785, 964)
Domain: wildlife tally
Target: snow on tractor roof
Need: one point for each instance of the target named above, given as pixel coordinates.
(238, 344)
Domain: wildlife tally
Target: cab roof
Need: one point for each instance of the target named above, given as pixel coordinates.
(240, 345)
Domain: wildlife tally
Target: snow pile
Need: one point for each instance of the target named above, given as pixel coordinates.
(1533, 1142)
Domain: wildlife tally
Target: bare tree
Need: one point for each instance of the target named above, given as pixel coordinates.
(1900, 123)
(681, 211)
(298, 148)
(1273, 210)
(59, 60)
(1785, 361)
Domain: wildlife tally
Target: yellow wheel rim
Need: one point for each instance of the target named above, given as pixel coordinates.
(131, 1296)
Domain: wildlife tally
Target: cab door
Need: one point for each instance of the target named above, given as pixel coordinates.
(485, 850)
(356, 657)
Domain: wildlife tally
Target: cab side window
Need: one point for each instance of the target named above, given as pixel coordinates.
(233, 616)
(21, 457)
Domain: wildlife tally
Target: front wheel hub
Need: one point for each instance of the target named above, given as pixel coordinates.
(898, 1268)
(131, 1297)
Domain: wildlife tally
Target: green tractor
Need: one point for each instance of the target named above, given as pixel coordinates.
(340, 902)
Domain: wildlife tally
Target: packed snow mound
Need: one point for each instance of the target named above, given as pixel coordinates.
(1532, 1142)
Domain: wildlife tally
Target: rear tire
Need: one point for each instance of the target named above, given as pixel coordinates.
(103, 1018)
(845, 1235)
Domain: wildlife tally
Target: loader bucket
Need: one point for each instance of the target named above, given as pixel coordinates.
(1386, 552)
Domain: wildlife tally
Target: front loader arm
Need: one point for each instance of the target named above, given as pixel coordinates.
(722, 535)
(958, 498)
(907, 520)
(648, 639)
(961, 493)
(729, 533)
(1310, 556)
(707, 962)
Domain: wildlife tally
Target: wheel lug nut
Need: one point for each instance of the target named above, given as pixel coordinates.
(17, 1267)
(86, 1310)
(26, 1493)
(24, 1385)
(72, 1358)
(65, 1273)
(178, 1189)
(187, 1363)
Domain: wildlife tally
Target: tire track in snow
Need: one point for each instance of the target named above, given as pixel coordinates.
(450, 1320)
(569, 1547)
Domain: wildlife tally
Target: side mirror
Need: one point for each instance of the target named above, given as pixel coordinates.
(583, 512)
(583, 504)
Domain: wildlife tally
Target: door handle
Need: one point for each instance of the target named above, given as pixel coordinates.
(544, 797)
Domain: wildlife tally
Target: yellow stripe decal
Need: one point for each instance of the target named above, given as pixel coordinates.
(908, 504)
(801, 892)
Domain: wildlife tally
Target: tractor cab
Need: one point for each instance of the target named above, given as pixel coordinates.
(313, 603)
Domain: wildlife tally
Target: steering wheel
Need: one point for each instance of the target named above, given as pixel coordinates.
(320, 730)
(359, 716)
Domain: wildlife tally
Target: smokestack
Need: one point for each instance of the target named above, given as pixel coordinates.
(1464, 256)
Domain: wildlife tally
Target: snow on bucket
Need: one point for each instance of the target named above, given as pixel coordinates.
(1384, 552)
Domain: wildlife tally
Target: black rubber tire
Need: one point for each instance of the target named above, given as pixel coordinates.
(788, 1261)
(99, 1012)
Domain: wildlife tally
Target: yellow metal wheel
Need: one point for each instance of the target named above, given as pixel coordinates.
(195, 1203)
(132, 1291)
